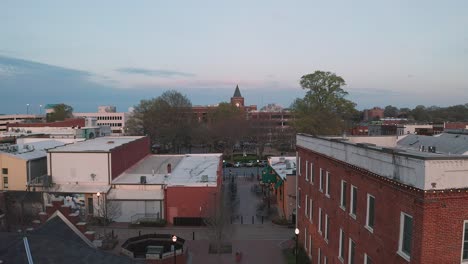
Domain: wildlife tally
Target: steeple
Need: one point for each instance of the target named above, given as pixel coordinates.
(237, 92)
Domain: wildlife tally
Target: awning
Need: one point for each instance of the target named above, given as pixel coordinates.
(79, 188)
(125, 194)
(268, 175)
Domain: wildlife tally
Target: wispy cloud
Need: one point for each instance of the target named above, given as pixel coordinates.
(157, 73)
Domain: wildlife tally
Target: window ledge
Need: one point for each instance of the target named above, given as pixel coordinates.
(352, 216)
(321, 190)
(327, 195)
(320, 232)
(341, 259)
(370, 229)
(343, 208)
(404, 255)
(326, 240)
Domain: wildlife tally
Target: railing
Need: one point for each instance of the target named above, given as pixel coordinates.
(135, 219)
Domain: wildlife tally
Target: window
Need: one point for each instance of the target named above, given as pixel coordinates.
(5, 182)
(299, 166)
(321, 180)
(299, 198)
(370, 218)
(5, 171)
(312, 173)
(319, 255)
(310, 246)
(320, 221)
(305, 238)
(367, 259)
(306, 208)
(327, 226)
(351, 252)
(465, 241)
(406, 236)
(325, 260)
(353, 205)
(311, 210)
(327, 185)
(307, 171)
(343, 195)
(341, 245)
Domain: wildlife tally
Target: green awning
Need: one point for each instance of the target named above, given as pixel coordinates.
(268, 175)
(278, 184)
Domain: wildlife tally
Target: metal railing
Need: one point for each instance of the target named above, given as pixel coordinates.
(44, 180)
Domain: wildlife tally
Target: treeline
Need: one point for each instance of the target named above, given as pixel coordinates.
(435, 114)
(174, 127)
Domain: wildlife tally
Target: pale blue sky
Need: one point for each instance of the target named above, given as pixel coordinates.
(402, 53)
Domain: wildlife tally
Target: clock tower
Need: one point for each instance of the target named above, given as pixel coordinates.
(237, 99)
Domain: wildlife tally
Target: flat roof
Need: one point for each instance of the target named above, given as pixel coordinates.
(35, 150)
(100, 144)
(186, 170)
(283, 165)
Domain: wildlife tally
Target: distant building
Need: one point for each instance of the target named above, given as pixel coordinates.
(380, 200)
(17, 119)
(375, 113)
(107, 116)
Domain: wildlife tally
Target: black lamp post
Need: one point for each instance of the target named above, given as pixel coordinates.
(296, 231)
(258, 164)
(174, 240)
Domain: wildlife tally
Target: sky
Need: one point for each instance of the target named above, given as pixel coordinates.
(90, 53)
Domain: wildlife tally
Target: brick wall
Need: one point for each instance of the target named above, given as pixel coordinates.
(382, 244)
(125, 156)
(190, 201)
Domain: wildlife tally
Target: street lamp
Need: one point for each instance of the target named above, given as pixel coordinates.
(174, 240)
(40, 109)
(98, 195)
(27, 109)
(258, 164)
(296, 231)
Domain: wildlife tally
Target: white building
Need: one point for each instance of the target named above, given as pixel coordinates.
(107, 115)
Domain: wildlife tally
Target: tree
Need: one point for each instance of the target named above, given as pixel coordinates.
(324, 109)
(228, 126)
(60, 112)
(167, 119)
(390, 111)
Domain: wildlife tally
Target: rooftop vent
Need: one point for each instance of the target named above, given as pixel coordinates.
(142, 179)
(204, 178)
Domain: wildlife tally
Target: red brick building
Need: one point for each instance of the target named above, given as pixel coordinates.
(364, 203)
(374, 113)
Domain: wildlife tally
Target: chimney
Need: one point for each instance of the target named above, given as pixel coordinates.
(169, 168)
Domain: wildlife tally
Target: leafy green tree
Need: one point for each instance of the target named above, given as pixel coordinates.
(167, 119)
(60, 112)
(390, 111)
(324, 110)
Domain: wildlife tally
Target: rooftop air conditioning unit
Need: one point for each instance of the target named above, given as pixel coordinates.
(204, 178)
(142, 179)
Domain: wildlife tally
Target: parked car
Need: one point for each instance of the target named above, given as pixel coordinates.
(262, 163)
(238, 165)
(228, 164)
(250, 163)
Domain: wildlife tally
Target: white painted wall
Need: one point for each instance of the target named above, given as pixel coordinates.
(78, 167)
(420, 173)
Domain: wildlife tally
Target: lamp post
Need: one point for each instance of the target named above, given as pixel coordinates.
(174, 240)
(98, 195)
(296, 231)
(258, 164)
(27, 109)
(40, 109)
